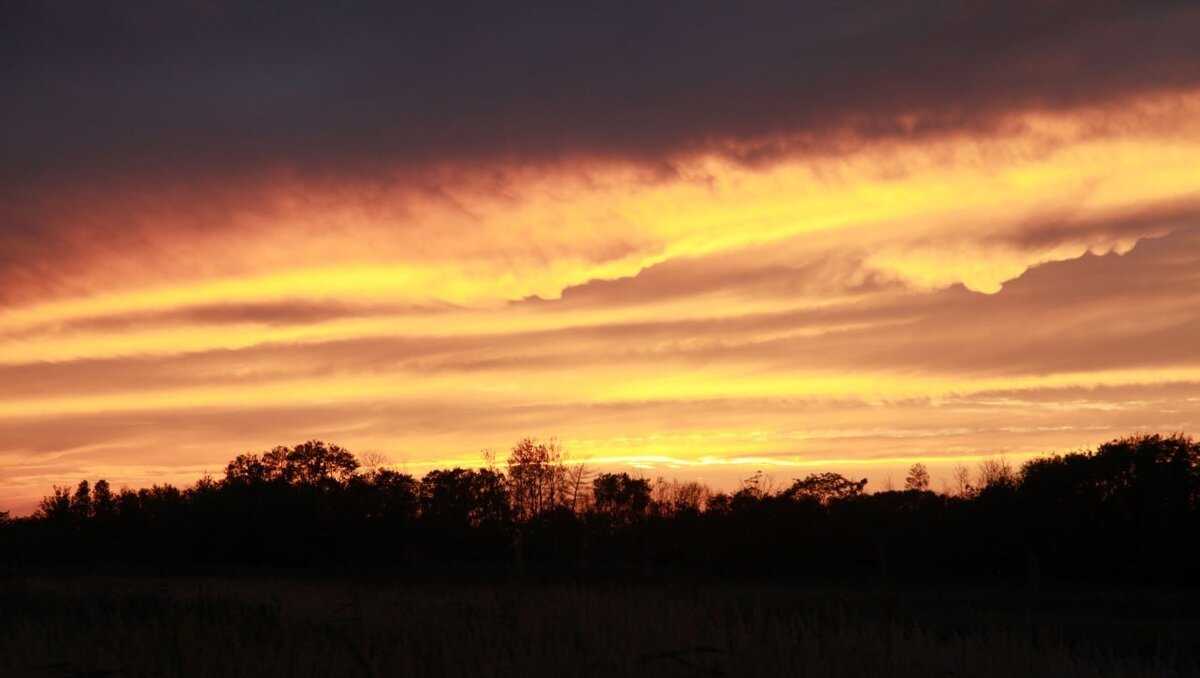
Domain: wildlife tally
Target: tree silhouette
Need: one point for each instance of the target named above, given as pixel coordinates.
(57, 506)
(825, 488)
(315, 463)
(689, 497)
(962, 486)
(246, 469)
(674, 497)
(81, 502)
(537, 477)
(461, 498)
(620, 497)
(917, 478)
(312, 463)
(576, 482)
(104, 504)
(1129, 509)
(390, 495)
(996, 474)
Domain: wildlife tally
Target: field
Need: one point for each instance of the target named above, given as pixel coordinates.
(69, 626)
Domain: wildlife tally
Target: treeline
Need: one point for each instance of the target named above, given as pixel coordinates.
(1129, 510)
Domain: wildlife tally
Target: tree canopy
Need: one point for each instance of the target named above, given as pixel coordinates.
(1129, 508)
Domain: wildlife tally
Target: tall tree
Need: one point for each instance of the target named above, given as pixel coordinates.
(104, 504)
(81, 502)
(537, 477)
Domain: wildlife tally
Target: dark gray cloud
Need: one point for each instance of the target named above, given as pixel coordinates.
(209, 88)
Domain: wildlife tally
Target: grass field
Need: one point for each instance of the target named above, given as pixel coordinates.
(257, 627)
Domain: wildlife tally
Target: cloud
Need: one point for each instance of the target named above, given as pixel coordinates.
(960, 211)
(98, 90)
(1092, 314)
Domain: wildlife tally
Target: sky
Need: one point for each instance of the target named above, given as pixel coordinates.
(693, 240)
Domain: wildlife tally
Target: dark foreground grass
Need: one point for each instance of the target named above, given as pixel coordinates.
(212, 627)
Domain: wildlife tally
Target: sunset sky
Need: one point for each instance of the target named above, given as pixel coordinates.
(694, 240)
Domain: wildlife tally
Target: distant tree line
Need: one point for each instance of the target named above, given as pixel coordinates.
(1128, 510)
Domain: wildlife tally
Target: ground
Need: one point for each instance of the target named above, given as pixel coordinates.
(259, 626)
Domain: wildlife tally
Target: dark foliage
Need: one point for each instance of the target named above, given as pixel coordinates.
(1128, 511)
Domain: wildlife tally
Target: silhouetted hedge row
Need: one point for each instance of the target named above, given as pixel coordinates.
(1130, 510)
